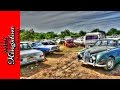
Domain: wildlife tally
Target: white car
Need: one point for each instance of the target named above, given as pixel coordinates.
(29, 55)
(79, 41)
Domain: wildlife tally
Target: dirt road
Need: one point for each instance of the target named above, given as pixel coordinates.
(63, 65)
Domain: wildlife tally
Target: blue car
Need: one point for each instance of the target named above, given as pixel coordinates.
(105, 53)
(44, 48)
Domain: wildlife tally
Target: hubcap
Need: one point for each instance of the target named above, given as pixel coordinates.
(110, 64)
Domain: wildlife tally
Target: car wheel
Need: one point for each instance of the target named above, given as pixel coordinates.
(110, 64)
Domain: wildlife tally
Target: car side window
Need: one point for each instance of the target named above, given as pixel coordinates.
(104, 43)
(25, 46)
(112, 43)
(98, 43)
(33, 44)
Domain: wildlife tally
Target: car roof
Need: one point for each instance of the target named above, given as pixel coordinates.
(93, 33)
(23, 42)
(110, 39)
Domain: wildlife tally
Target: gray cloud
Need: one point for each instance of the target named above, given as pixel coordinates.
(43, 21)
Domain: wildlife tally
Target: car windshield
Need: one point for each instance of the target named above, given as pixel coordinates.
(36, 44)
(24, 46)
(90, 37)
(106, 43)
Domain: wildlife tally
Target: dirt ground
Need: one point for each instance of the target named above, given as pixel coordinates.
(63, 65)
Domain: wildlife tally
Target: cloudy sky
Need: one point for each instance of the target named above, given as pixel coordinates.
(43, 21)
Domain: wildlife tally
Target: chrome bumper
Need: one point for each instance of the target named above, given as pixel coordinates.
(93, 64)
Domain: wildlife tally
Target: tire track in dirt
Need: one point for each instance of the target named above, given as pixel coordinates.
(60, 67)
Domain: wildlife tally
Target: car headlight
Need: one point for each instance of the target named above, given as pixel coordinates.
(78, 53)
(93, 57)
(81, 55)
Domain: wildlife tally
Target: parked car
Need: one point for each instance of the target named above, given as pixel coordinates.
(69, 43)
(60, 41)
(44, 48)
(91, 38)
(105, 53)
(48, 42)
(67, 37)
(29, 55)
(79, 41)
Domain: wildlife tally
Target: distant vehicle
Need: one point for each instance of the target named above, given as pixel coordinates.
(69, 43)
(44, 48)
(112, 36)
(79, 41)
(48, 42)
(105, 53)
(60, 41)
(91, 38)
(29, 55)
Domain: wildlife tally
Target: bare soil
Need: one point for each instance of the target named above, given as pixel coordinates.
(63, 65)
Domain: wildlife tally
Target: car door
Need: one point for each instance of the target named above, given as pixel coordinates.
(118, 52)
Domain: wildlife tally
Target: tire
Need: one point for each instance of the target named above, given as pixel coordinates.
(110, 64)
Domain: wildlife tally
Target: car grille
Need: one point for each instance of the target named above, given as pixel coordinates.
(86, 56)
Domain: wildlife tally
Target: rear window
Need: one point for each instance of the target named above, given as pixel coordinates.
(91, 37)
(24, 46)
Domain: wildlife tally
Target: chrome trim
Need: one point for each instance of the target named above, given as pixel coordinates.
(93, 64)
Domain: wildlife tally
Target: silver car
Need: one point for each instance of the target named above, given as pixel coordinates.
(29, 55)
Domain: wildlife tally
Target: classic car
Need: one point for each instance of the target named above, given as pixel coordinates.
(105, 53)
(29, 55)
(45, 48)
(79, 41)
(60, 41)
(48, 42)
(69, 43)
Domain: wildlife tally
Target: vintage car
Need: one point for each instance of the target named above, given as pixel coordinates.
(45, 48)
(48, 42)
(69, 43)
(29, 55)
(105, 53)
(79, 41)
(60, 41)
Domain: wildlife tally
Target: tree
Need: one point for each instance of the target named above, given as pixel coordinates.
(67, 32)
(82, 33)
(64, 33)
(97, 30)
(22, 30)
(112, 31)
(118, 32)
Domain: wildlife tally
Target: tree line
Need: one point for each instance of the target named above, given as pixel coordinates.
(32, 35)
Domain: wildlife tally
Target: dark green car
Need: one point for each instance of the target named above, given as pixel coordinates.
(104, 53)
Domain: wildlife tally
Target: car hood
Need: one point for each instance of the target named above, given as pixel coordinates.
(97, 49)
(32, 51)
